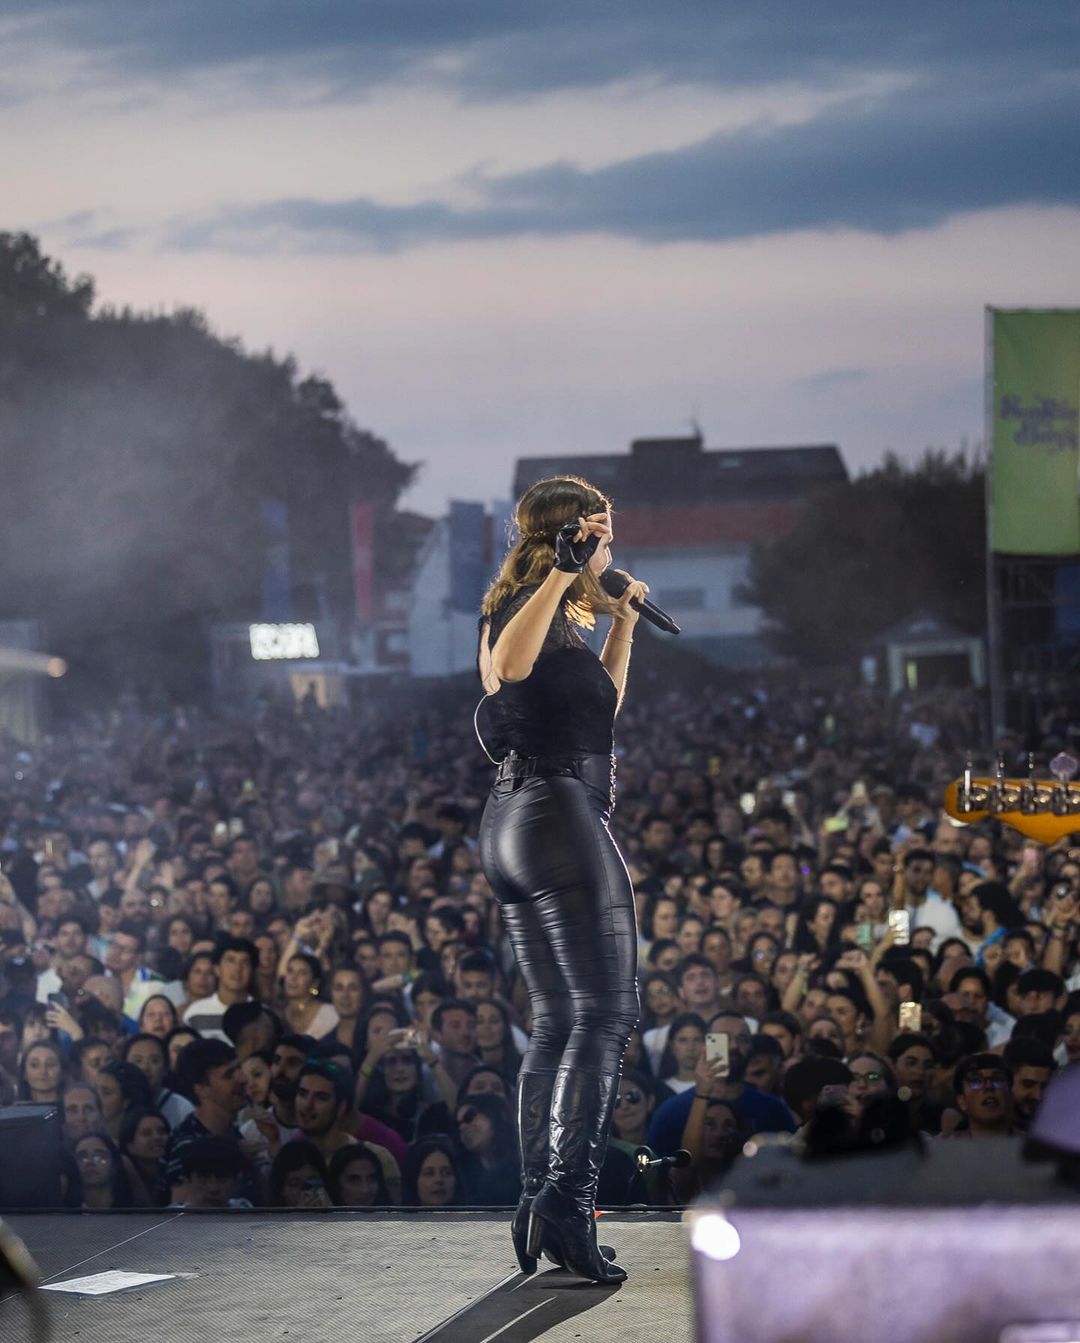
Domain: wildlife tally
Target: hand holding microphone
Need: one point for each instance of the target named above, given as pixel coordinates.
(633, 594)
(615, 583)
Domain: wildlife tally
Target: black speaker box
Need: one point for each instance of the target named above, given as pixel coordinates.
(31, 1152)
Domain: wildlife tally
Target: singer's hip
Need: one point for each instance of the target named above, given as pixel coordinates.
(546, 835)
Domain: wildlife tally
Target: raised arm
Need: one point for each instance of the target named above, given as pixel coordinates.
(883, 1029)
(1059, 917)
(304, 937)
(800, 982)
(519, 644)
(709, 1084)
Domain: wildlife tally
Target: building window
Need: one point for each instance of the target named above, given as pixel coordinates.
(681, 599)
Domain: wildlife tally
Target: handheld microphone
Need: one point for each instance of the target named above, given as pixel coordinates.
(615, 584)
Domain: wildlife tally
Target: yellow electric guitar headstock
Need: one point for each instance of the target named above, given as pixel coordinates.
(1043, 810)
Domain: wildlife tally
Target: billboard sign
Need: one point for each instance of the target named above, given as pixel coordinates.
(1033, 407)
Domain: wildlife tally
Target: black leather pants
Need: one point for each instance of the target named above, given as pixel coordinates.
(568, 907)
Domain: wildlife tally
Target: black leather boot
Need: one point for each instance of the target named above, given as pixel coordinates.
(563, 1214)
(533, 1125)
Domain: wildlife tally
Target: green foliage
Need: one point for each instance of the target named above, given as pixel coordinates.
(868, 554)
(33, 287)
(137, 450)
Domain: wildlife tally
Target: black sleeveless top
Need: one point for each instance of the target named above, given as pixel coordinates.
(565, 706)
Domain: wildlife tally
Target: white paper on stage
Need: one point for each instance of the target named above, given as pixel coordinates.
(101, 1284)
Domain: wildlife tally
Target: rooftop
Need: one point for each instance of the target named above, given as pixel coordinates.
(659, 471)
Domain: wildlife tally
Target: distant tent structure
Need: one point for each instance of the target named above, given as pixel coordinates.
(923, 653)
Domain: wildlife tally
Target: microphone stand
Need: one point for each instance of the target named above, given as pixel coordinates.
(644, 1161)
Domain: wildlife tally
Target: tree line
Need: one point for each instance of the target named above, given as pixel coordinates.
(137, 450)
(871, 553)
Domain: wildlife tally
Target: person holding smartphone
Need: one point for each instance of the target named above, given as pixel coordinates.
(913, 895)
(563, 890)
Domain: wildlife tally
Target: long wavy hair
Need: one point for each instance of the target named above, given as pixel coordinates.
(541, 511)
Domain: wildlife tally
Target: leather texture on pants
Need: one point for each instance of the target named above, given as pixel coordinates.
(568, 907)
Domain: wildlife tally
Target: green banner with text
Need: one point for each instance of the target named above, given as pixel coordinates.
(1035, 481)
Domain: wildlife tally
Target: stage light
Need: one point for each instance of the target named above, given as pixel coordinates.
(715, 1237)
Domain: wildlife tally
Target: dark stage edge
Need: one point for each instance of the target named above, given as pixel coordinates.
(348, 1278)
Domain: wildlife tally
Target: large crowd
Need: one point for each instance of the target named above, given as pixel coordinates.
(254, 960)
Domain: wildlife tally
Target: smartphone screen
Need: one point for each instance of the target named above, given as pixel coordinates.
(900, 923)
(717, 1046)
(910, 1016)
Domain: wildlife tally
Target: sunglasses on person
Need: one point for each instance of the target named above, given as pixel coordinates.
(630, 1097)
(866, 1078)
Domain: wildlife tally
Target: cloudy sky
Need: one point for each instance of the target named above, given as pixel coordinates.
(508, 228)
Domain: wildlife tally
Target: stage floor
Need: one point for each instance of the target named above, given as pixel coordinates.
(348, 1278)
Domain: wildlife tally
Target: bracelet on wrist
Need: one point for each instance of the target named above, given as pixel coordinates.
(366, 1070)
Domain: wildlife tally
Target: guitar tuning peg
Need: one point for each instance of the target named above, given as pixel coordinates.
(1029, 787)
(965, 795)
(1063, 767)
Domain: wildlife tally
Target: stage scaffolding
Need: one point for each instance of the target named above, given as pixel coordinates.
(1034, 641)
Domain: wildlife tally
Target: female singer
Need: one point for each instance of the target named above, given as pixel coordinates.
(562, 886)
